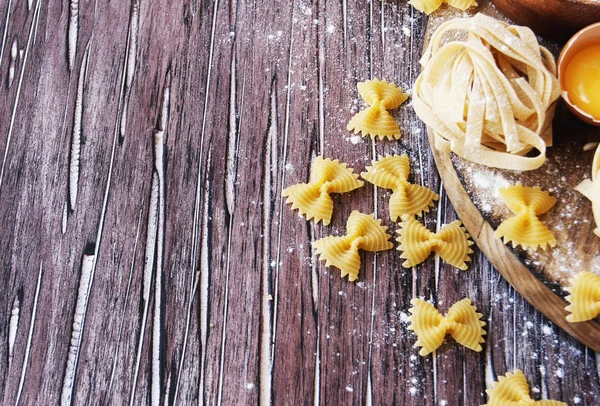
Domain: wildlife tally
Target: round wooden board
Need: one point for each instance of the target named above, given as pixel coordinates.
(541, 279)
(504, 259)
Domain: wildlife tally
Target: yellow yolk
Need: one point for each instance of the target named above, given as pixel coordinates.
(582, 80)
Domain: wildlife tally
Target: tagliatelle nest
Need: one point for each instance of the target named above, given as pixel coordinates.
(489, 99)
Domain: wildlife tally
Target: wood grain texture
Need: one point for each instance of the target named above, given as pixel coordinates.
(178, 274)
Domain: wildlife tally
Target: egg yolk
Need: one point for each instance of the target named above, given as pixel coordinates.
(582, 80)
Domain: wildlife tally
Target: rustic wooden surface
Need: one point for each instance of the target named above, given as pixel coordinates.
(177, 274)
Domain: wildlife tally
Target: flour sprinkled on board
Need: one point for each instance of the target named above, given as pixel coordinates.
(571, 212)
(490, 181)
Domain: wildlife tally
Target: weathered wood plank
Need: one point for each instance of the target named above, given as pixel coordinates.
(294, 129)
(245, 95)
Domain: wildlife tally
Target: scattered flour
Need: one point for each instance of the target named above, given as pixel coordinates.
(485, 180)
(355, 139)
(404, 317)
(547, 330)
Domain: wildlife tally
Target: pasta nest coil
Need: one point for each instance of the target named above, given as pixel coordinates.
(489, 99)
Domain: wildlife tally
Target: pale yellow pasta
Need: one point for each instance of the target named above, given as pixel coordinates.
(362, 232)
(451, 243)
(584, 297)
(426, 6)
(375, 120)
(462, 4)
(429, 6)
(392, 172)
(462, 322)
(591, 190)
(326, 176)
(489, 99)
(526, 229)
(513, 390)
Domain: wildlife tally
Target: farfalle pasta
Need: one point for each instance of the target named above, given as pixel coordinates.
(526, 229)
(462, 322)
(451, 243)
(513, 390)
(392, 172)
(326, 176)
(584, 297)
(375, 120)
(489, 99)
(429, 6)
(362, 232)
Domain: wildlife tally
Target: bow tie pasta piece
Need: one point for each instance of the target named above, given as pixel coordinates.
(326, 176)
(451, 243)
(429, 6)
(426, 6)
(525, 228)
(362, 232)
(461, 4)
(375, 120)
(584, 297)
(489, 99)
(513, 390)
(462, 322)
(392, 172)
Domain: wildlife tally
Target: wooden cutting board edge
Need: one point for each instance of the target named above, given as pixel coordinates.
(505, 261)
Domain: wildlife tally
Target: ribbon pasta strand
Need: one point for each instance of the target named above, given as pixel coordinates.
(451, 243)
(491, 98)
(590, 188)
(362, 232)
(462, 322)
(392, 172)
(525, 228)
(513, 390)
(326, 176)
(375, 120)
(584, 297)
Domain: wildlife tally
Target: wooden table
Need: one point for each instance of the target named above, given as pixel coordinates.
(146, 253)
